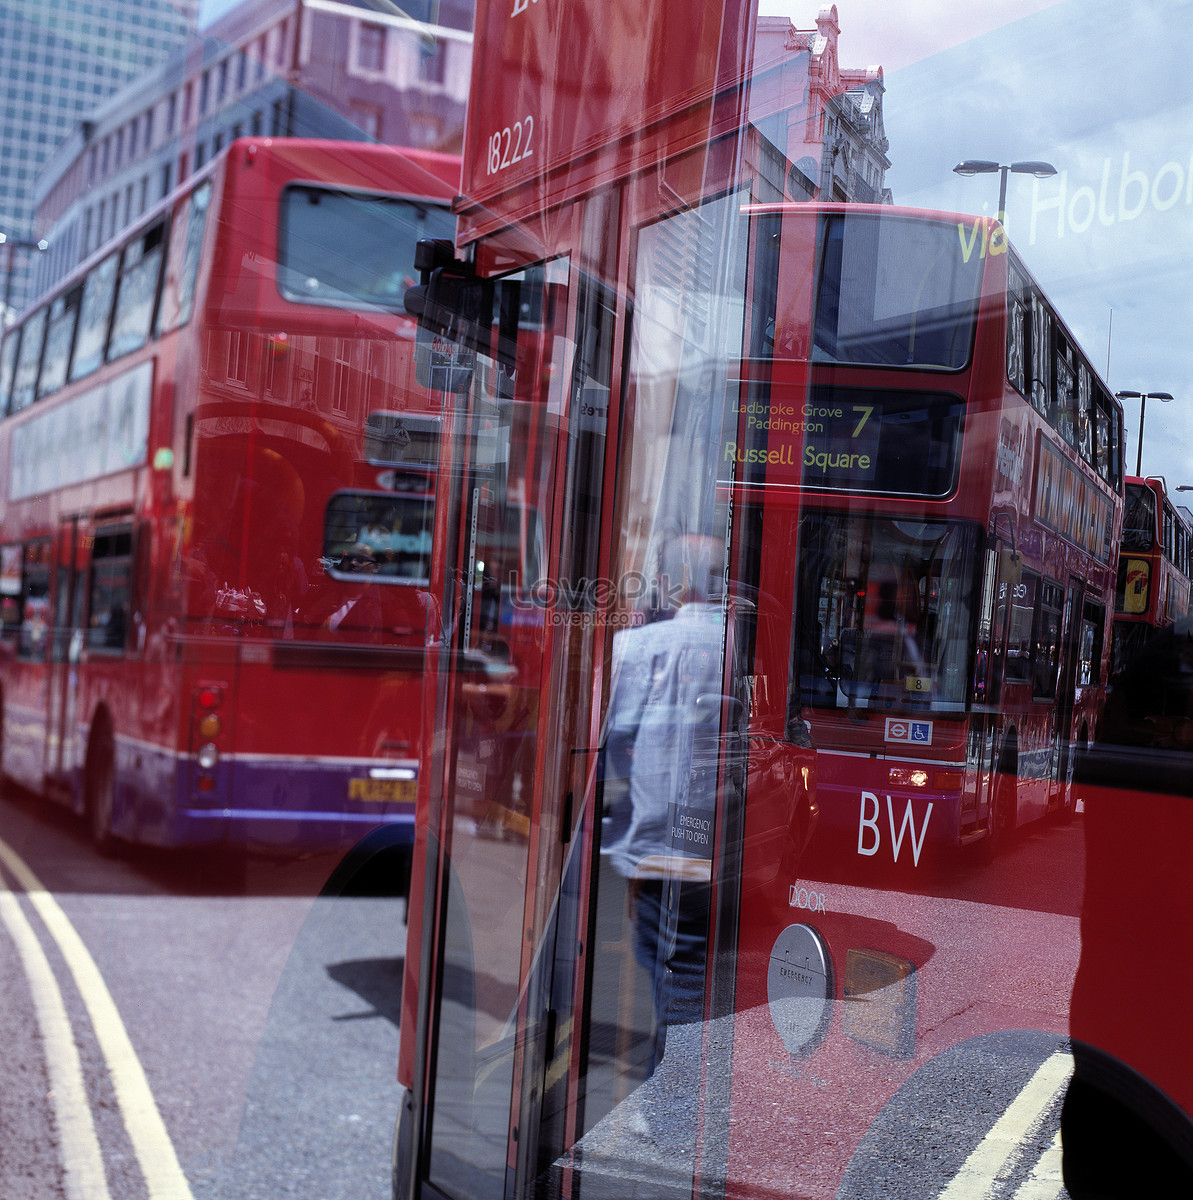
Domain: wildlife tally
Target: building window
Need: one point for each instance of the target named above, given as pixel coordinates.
(278, 125)
(148, 128)
(425, 128)
(283, 37)
(276, 359)
(171, 111)
(204, 91)
(221, 84)
(188, 101)
(133, 130)
(258, 123)
(368, 120)
(200, 155)
(432, 61)
(167, 181)
(242, 66)
(341, 379)
(238, 357)
(370, 47)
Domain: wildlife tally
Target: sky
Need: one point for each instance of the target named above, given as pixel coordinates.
(210, 9)
(1100, 90)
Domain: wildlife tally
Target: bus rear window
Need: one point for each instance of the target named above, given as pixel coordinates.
(383, 536)
(896, 293)
(352, 249)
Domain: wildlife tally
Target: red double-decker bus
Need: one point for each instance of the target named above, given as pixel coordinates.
(215, 528)
(1154, 568)
(954, 484)
(831, 502)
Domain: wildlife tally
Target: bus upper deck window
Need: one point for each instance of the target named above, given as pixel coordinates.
(92, 336)
(870, 310)
(352, 249)
(8, 367)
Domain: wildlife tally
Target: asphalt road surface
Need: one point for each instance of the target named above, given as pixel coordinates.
(190, 1025)
(207, 1027)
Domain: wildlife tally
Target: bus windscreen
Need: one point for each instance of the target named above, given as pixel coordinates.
(1139, 518)
(896, 293)
(886, 609)
(352, 249)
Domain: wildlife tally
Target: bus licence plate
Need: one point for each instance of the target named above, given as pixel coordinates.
(383, 791)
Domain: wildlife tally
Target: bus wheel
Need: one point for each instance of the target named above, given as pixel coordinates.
(101, 789)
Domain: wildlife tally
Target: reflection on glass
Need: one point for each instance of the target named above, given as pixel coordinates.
(496, 631)
(886, 609)
(394, 530)
(871, 309)
(352, 249)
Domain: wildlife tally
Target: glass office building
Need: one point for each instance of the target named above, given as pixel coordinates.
(58, 60)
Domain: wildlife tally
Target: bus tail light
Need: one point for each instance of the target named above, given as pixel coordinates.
(880, 1007)
(208, 740)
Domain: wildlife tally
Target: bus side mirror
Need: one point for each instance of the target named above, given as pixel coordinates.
(449, 304)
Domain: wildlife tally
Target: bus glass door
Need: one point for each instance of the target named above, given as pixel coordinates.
(66, 647)
(1001, 586)
(1070, 656)
(606, 708)
(514, 710)
(662, 905)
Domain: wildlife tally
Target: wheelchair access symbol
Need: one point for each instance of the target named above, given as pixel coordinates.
(917, 733)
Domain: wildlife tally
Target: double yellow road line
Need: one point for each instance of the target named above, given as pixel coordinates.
(82, 1160)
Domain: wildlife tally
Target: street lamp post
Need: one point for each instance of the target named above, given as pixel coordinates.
(985, 166)
(11, 244)
(1143, 398)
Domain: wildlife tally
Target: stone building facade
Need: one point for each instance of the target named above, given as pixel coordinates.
(825, 119)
